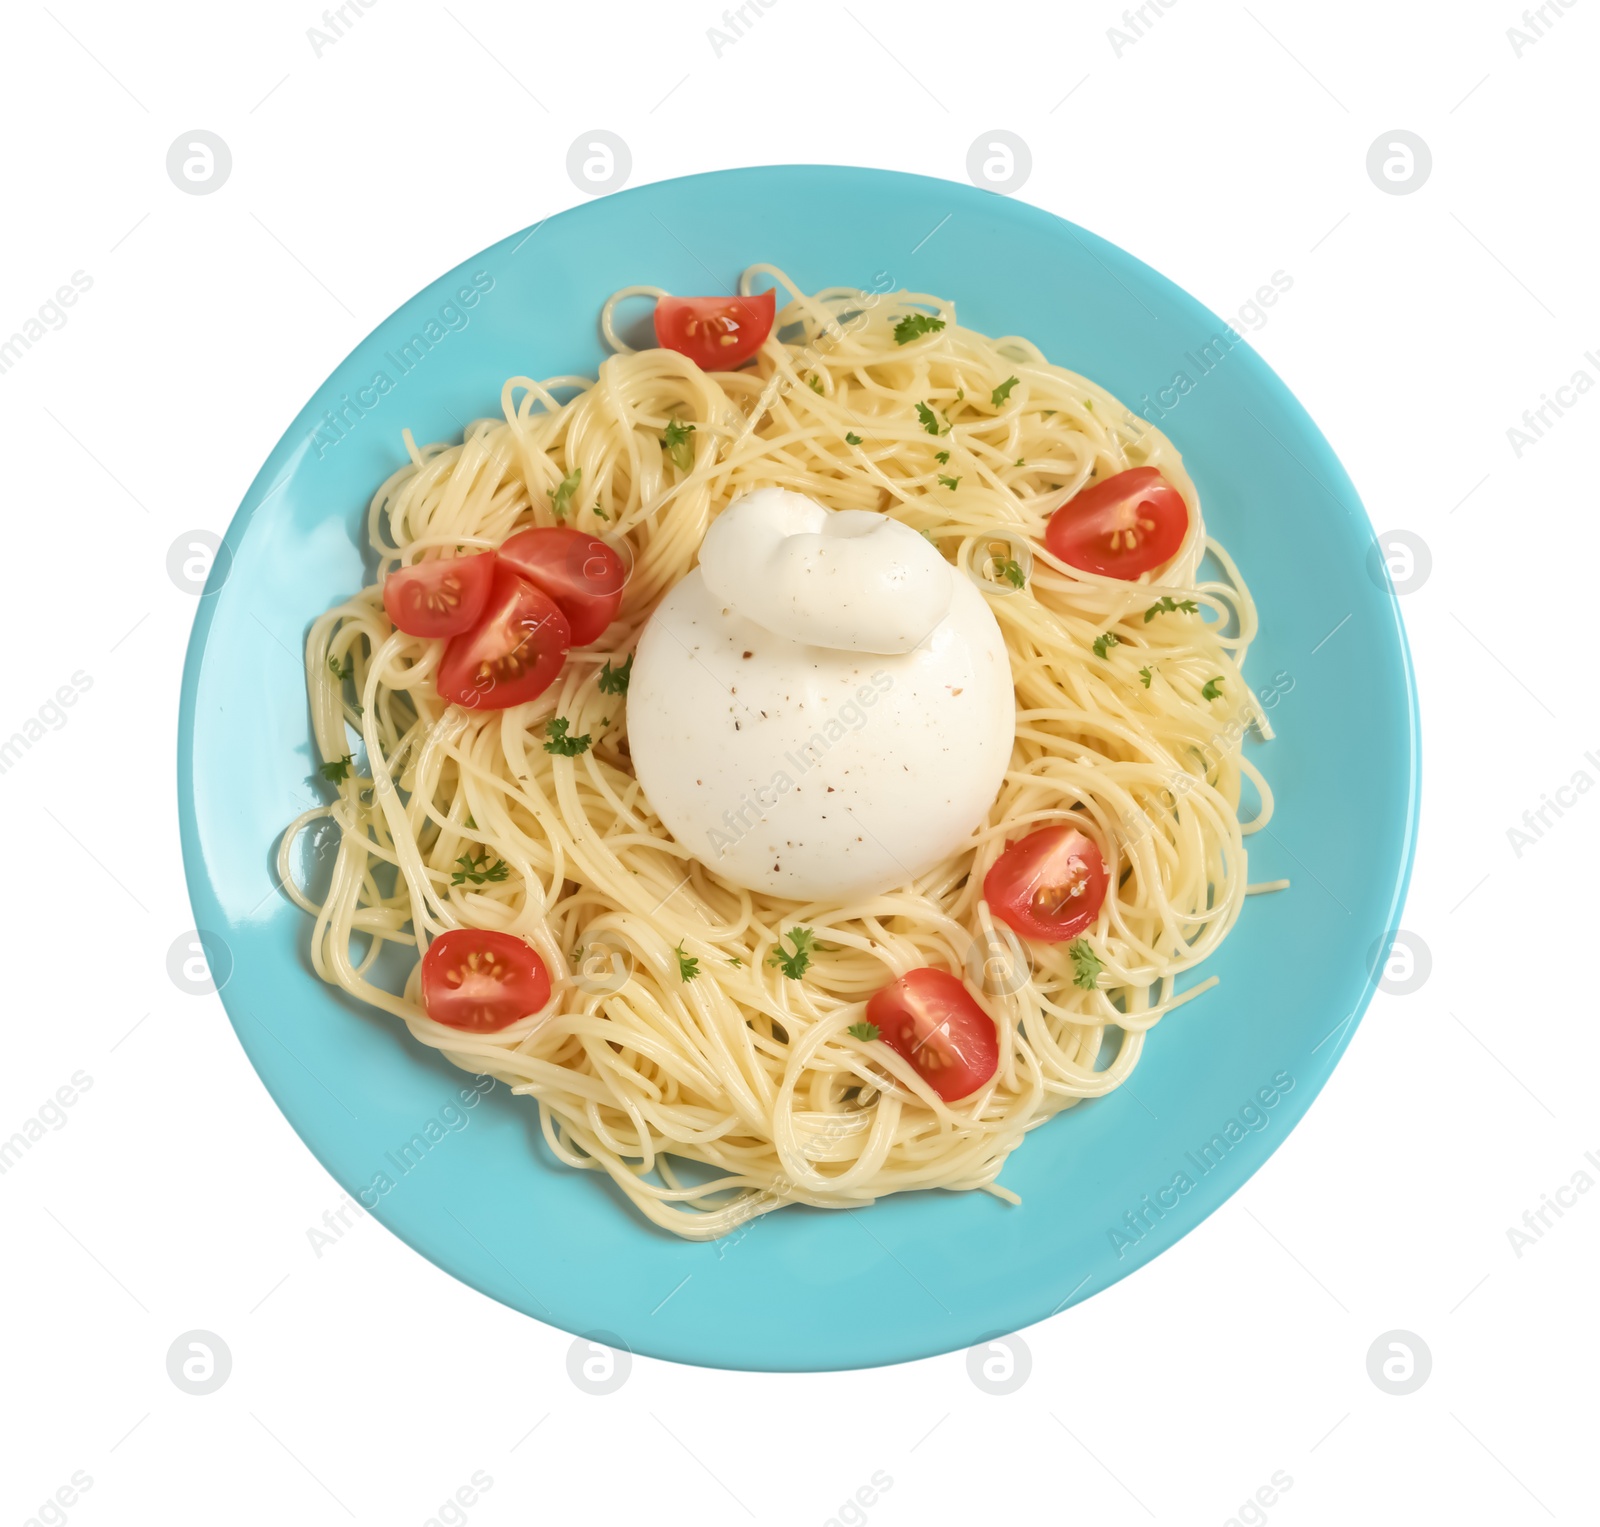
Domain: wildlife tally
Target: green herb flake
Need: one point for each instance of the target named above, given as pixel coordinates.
(852, 439)
(348, 671)
(1086, 964)
(1104, 643)
(1002, 392)
(679, 446)
(337, 771)
(1212, 689)
(930, 420)
(794, 965)
(601, 512)
(865, 1032)
(942, 457)
(1011, 570)
(560, 744)
(614, 681)
(1145, 676)
(814, 382)
(914, 325)
(688, 965)
(948, 482)
(734, 960)
(561, 499)
(477, 870)
(1167, 605)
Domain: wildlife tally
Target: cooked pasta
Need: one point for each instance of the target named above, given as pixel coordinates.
(737, 1088)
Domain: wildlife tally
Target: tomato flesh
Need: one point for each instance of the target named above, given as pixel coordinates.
(512, 654)
(930, 1019)
(716, 333)
(480, 981)
(582, 574)
(440, 598)
(1049, 886)
(1129, 524)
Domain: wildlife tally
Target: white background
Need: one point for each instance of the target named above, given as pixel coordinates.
(1223, 144)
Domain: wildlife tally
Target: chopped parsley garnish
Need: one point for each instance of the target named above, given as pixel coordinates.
(601, 512)
(1103, 644)
(852, 439)
(614, 681)
(1011, 570)
(1020, 462)
(930, 420)
(336, 771)
(476, 869)
(679, 447)
(948, 482)
(814, 382)
(688, 964)
(734, 959)
(1211, 689)
(942, 457)
(348, 671)
(1002, 392)
(1089, 404)
(794, 965)
(914, 325)
(1086, 964)
(560, 744)
(866, 1032)
(1145, 677)
(1166, 605)
(561, 499)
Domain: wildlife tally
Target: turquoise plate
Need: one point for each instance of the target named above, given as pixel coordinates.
(1105, 1187)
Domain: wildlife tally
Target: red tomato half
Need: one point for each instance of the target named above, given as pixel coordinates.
(933, 1021)
(438, 598)
(584, 576)
(480, 982)
(513, 653)
(1050, 885)
(1122, 527)
(716, 333)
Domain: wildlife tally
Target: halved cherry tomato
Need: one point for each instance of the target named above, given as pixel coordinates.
(583, 575)
(481, 981)
(438, 598)
(1122, 527)
(716, 333)
(1050, 885)
(932, 1020)
(513, 653)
